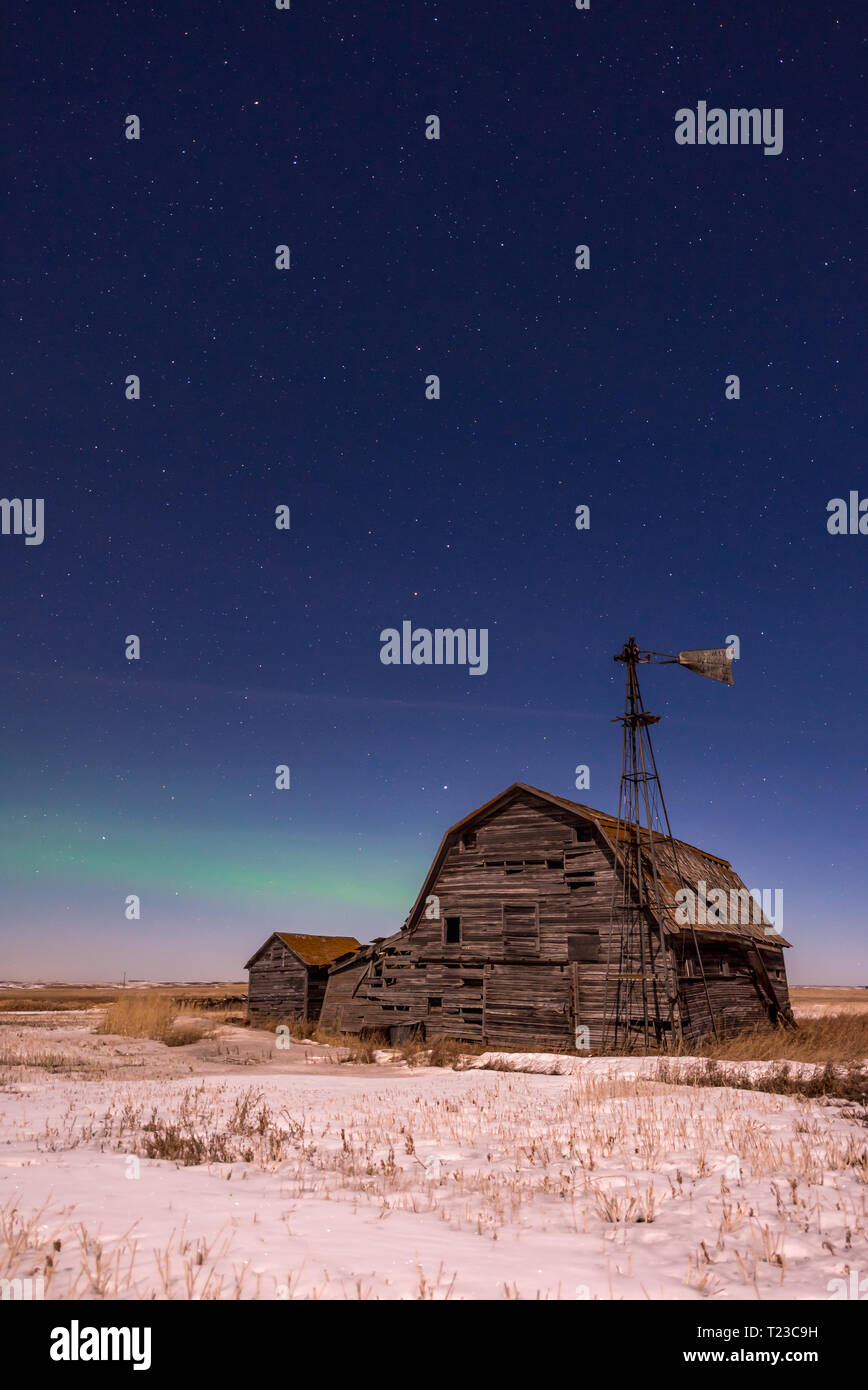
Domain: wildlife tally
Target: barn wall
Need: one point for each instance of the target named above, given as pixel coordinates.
(278, 982)
(341, 1010)
(317, 979)
(509, 979)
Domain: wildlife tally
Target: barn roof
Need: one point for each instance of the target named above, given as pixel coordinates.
(312, 950)
(695, 864)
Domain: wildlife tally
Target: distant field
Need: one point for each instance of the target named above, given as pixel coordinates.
(33, 998)
(813, 1001)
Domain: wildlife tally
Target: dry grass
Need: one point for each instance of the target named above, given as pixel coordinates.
(143, 1014)
(448, 1052)
(16, 1057)
(54, 1000)
(825, 998)
(183, 1034)
(846, 1082)
(205, 998)
(250, 1134)
(441, 1052)
(301, 1029)
(841, 1038)
(353, 1046)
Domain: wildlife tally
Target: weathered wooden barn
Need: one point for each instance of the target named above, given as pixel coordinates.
(288, 974)
(513, 940)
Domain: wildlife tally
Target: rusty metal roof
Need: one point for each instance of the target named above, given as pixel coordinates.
(319, 950)
(610, 823)
(312, 950)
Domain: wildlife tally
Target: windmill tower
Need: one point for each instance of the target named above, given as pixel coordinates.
(642, 1006)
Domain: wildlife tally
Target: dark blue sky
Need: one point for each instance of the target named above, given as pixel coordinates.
(306, 387)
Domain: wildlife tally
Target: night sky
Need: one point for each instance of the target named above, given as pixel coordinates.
(306, 387)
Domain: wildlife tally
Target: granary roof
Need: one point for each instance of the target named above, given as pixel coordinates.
(696, 865)
(319, 950)
(313, 950)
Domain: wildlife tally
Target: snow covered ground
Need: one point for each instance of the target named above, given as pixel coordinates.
(292, 1176)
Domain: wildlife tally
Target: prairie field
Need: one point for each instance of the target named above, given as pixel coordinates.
(155, 1150)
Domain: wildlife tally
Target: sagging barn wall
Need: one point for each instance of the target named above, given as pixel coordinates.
(730, 988)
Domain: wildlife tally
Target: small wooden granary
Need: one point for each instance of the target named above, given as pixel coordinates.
(288, 974)
(513, 941)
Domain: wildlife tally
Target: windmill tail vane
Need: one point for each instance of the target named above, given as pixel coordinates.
(714, 662)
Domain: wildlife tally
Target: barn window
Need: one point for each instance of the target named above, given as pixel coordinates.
(434, 1004)
(452, 931)
(468, 839)
(583, 946)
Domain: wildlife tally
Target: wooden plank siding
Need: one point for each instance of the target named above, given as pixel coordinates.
(278, 984)
(525, 888)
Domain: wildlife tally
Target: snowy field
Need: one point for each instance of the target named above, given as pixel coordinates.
(230, 1169)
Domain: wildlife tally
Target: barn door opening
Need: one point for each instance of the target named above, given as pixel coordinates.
(575, 1003)
(587, 991)
(527, 1005)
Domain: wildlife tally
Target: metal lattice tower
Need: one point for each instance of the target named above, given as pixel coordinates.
(641, 998)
